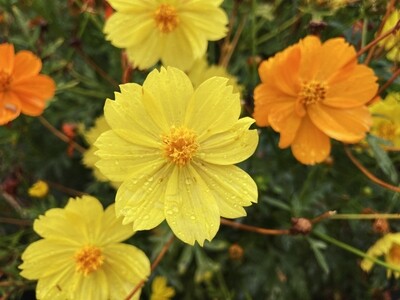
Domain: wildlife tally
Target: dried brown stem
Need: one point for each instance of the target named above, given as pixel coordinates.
(385, 86)
(325, 215)
(16, 221)
(64, 189)
(255, 229)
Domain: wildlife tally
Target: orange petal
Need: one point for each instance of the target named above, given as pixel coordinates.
(6, 58)
(287, 123)
(26, 64)
(10, 107)
(358, 88)
(310, 58)
(346, 125)
(311, 145)
(33, 92)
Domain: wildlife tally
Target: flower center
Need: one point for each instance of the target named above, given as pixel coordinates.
(394, 254)
(312, 92)
(5, 81)
(166, 18)
(387, 130)
(180, 145)
(88, 259)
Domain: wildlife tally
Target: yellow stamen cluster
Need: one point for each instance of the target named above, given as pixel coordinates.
(88, 259)
(180, 145)
(5, 81)
(312, 92)
(166, 18)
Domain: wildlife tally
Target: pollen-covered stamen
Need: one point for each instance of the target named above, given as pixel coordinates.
(312, 92)
(394, 254)
(166, 18)
(180, 145)
(88, 259)
(5, 81)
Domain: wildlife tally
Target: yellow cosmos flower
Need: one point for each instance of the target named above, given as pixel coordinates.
(89, 158)
(174, 31)
(173, 148)
(39, 189)
(386, 119)
(313, 91)
(388, 246)
(201, 71)
(160, 290)
(80, 255)
(392, 42)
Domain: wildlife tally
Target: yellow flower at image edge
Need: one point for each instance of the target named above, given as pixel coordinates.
(39, 189)
(177, 32)
(160, 290)
(392, 42)
(22, 88)
(81, 255)
(173, 148)
(314, 91)
(389, 247)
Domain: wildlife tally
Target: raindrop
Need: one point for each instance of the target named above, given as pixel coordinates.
(193, 217)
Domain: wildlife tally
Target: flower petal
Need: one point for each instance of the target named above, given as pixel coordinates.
(60, 285)
(214, 108)
(140, 199)
(7, 58)
(130, 6)
(190, 207)
(230, 147)
(120, 159)
(233, 188)
(310, 145)
(93, 286)
(347, 125)
(310, 58)
(26, 64)
(10, 107)
(166, 95)
(286, 122)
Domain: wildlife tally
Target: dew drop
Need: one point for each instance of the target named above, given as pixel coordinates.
(193, 217)
(170, 212)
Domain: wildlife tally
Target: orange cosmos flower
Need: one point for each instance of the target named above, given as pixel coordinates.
(22, 88)
(311, 92)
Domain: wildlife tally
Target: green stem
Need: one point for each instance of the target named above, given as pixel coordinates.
(274, 33)
(364, 216)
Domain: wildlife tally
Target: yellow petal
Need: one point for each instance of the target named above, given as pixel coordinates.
(190, 207)
(211, 98)
(93, 286)
(381, 247)
(230, 147)
(61, 285)
(233, 188)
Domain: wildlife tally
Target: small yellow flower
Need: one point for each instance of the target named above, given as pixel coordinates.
(388, 246)
(81, 255)
(39, 189)
(176, 32)
(386, 119)
(392, 42)
(173, 148)
(160, 290)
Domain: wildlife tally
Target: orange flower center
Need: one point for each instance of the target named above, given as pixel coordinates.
(5, 81)
(394, 254)
(180, 145)
(312, 92)
(88, 259)
(387, 130)
(166, 18)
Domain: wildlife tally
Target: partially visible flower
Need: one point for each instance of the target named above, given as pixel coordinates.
(173, 148)
(160, 290)
(387, 246)
(81, 255)
(39, 189)
(313, 91)
(201, 71)
(392, 42)
(89, 158)
(22, 88)
(386, 119)
(175, 32)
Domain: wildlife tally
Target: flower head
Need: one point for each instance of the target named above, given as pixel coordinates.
(388, 246)
(39, 189)
(386, 119)
(160, 290)
(176, 32)
(22, 88)
(311, 92)
(173, 148)
(392, 42)
(81, 255)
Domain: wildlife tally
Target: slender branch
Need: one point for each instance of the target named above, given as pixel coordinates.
(231, 46)
(364, 216)
(372, 177)
(16, 221)
(60, 135)
(250, 228)
(13, 202)
(154, 265)
(385, 85)
(326, 215)
(64, 189)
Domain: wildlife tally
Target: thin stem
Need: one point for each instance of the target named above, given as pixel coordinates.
(154, 265)
(364, 216)
(13, 202)
(385, 85)
(250, 228)
(16, 221)
(231, 46)
(326, 215)
(355, 251)
(60, 135)
(372, 177)
(64, 189)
